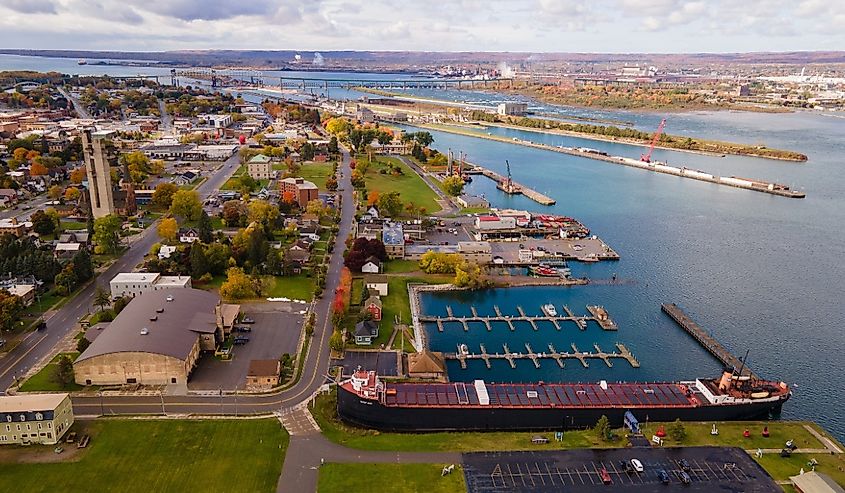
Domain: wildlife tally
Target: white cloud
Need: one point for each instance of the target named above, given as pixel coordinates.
(458, 25)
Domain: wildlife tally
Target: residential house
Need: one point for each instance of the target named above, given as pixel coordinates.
(263, 374)
(189, 235)
(185, 178)
(65, 251)
(297, 259)
(365, 332)
(371, 266)
(374, 307)
(8, 197)
(74, 236)
(365, 115)
(26, 292)
(166, 251)
(377, 282)
(15, 227)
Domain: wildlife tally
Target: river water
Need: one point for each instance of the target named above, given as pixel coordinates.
(762, 273)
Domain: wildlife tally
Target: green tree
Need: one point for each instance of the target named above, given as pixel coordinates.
(138, 164)
(336, 341)
(10, 307)
(106, 233)
(82, 344)
(83, 269)
(218, 255)
(42, 223)
(163, 195)
(390, 204)
(199, 262)
(238, 285)
(453, 185)
(55, 192)
(677, 431)
(63, 373)
(262, 212)
(602, 428)
(204, 227)
(273, 263)
(101, 298)
(469, 275)
(187, 204)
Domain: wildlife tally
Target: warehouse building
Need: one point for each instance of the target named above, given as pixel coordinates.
(156, 339)
(133, 284)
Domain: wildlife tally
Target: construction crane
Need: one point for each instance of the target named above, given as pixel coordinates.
(509, 181)
(646, 158)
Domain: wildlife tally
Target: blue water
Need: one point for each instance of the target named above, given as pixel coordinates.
(760, 272)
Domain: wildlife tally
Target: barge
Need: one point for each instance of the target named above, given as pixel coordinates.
(365, 400)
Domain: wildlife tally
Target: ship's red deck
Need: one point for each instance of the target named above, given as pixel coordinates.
(548, 395)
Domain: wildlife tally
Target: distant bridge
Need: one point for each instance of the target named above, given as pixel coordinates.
(304, 83)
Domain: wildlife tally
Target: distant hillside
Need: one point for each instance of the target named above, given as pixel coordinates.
(419, 59)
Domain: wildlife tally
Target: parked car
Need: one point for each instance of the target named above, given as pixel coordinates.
(2, 342)
(243, 328)
(663, 476)
(241, 340)
(605, 476)
(638, 466)
(247, 320)
(625, 466)
(684, 465)
(684, 477)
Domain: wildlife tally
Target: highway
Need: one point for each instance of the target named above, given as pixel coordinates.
(313, 374)
(37, 345)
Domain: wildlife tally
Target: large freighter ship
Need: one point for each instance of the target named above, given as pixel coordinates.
(366, 400)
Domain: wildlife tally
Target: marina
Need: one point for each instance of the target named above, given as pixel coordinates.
(507, 185)
(559, 357)
(550, 315)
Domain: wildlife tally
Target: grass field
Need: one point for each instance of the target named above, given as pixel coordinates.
(161, 456)
(781, 468)
(730, 434)
(43, 380)
(317, 173)
(410, 186)
(399, 266)
(295, 287)
(389, 478)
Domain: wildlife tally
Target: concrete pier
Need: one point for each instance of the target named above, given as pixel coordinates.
(514, 188)
(706, 340)
(602, 317)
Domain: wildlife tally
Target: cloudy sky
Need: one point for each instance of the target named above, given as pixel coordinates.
(656, 26)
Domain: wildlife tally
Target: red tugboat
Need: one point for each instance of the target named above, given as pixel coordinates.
(365, 400)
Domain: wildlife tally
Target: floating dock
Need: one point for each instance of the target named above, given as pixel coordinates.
(599, 315)
(463, 355)
(514, 189)
(602, 317)
(706, 340)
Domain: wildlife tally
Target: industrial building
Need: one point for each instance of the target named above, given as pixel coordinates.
(156, 339)
(512, 109)
(34, 418)
(134, 284)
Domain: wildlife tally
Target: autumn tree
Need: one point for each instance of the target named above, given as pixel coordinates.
(42, 223)
(37, 169)
(72, 194)
(55, 192)
(470, 275)
(238, 285)
(453, 185)
(389, 204)
(315, 207)
(163, 194)
(168, 229)
(262, 212)
(78, 175)
(106, 233)
(187, 204)
(234, 212)
(372, 198)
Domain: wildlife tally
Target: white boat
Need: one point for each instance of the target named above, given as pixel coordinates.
(550, 310)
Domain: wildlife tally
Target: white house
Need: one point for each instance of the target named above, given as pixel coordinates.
(376, 282)
(373, 266)
(189, 235)
(136, 283)
(166, 251)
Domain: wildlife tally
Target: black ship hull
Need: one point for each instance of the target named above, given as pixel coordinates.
(372, 414)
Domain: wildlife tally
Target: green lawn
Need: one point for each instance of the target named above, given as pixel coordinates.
(389, 478)
(298, 287)
(781, 468)
(66, 225)
(324, 411)
(410, 186)
(730, 434)
(317, 173)
(161, 456)
(397, 303)
(400, 266)
(43, 380)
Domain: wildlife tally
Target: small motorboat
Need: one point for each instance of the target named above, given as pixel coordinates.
(550, 310)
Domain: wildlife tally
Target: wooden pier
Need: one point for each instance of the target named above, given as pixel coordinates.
(602, 317)
(706, 340)
(622, 352)
(599, 315)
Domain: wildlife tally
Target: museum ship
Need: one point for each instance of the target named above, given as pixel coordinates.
(366, 400)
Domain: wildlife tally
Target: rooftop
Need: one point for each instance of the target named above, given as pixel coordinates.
(172, 326)
(139, 277)
(262, 367)
(30, 402)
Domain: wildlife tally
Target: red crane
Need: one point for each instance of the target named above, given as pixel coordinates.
(646, 158)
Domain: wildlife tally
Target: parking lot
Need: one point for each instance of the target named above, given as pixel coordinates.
(276, 331)
(710, 469)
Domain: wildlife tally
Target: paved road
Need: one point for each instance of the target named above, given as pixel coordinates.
(26, 209)
(314, 371)
(36, 345)
(77, 105)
